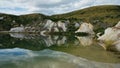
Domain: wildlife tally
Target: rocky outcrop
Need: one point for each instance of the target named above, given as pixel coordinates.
(55, 26)
(86, 27)
(45, 26)
(62, 26)
(111, 34)
(49, 26)
(111, 38)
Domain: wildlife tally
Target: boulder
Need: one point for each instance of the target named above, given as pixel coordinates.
(86, 27)
(111, 34)
(111, 38)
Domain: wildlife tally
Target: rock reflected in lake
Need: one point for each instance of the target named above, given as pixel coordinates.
(86, 40)
(86, 27)
(49, 40)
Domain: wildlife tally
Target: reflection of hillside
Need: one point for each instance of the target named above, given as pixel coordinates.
(31, 41)
(32, 44)
(49, 40)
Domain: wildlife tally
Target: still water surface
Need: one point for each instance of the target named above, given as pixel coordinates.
(36, 51)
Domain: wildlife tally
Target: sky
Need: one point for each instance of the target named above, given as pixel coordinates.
(49, 7)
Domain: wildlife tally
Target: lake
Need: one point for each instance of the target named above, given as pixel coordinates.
(19, 50)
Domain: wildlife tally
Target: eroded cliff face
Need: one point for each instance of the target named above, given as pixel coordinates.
(55, 26)
(48, 26)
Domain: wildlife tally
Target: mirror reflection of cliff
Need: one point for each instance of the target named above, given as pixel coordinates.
(31, 41)
(34, 41)
(50, 40)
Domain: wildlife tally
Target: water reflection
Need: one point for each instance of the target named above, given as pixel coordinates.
(23, 36)
(59, 40)
(85, 41)
(22, 58)
(84, 47)
(49, 40)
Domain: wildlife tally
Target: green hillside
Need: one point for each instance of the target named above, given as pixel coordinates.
(7, 21)
(106, 13)
(100, 16)
(10, 21)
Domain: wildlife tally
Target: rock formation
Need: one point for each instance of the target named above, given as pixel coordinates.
(111, 34)
(86, 27)
(49, 26)
(62, 26)
(110, 37)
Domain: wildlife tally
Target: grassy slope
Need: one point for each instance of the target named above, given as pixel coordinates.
(8, 21)
(104, 13)
(100, 16)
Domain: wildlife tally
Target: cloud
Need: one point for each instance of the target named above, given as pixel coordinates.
(49, 6)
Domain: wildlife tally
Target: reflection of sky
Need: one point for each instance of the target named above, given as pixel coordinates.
(46, 58)
(12, 52)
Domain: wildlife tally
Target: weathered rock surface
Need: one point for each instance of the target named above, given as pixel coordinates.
(86, 27)
(111, 38)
